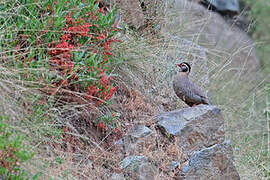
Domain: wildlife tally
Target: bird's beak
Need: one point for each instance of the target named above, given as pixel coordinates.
(179, 65)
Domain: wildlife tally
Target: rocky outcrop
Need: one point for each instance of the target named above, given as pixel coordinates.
(200, 135)
(193, 147)
(196, 127)
(214, 162)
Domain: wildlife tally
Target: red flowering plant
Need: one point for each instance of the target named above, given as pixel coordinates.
(70, 40)
(83, 55)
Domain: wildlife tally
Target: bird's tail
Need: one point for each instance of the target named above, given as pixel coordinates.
(207, 101)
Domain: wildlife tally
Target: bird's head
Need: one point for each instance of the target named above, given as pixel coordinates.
(184, 67)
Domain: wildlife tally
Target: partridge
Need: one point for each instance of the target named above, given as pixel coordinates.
(184, 88)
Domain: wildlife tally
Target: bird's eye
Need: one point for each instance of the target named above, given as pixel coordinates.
(184, 68)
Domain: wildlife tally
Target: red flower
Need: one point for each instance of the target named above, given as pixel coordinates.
(97, 37)
(81, 30)
(66, 37)
(109, 92)
(92, 90)
(103, 80)
(102, 36)
(69, 19)
(101, 125)
(99, 10)
(108, 53)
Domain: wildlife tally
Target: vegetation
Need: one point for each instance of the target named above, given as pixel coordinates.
(72, 84)
(57, 53)
(258, 12)
(13, 153)
(70, 41)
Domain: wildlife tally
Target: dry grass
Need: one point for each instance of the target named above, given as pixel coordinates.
(144, 89)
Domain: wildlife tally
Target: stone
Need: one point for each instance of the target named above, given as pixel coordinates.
(214, 162)
(116, 176)
(136, 141)
(225, 5)
(147, 171)
(195, 127)
(139, 168)
(132, 161)
(140, 131)
(173, 165)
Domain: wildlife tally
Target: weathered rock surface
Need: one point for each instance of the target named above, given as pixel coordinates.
(147, 171)
(132, 161)
(116, 176)
(139, 138)
(196, 127)
(214, 162)
(173, 165)
(140, 131)
(139, 168)
(199, 133)
(198, 149)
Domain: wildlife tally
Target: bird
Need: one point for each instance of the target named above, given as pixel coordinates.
(184, 88)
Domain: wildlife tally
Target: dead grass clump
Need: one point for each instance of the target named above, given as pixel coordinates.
(134, 106)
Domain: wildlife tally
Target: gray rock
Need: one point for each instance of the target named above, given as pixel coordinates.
(214, 162)
(139, 168)
(132, 161)
(147, 171)
(175, 121)
(136, 142)
(116, 176)
(225, 5)
(173, 165)
(196, 127)
(140, 131)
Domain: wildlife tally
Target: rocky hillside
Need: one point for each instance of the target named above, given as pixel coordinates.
(88, 85)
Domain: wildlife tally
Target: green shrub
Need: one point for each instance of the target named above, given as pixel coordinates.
(62, 46)
(62, 49)
(13, 153)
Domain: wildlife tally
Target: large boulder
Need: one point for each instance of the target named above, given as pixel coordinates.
(214, 162)
(195, 127)
(199, 133)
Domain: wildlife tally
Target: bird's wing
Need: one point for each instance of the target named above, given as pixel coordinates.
(197, 90)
